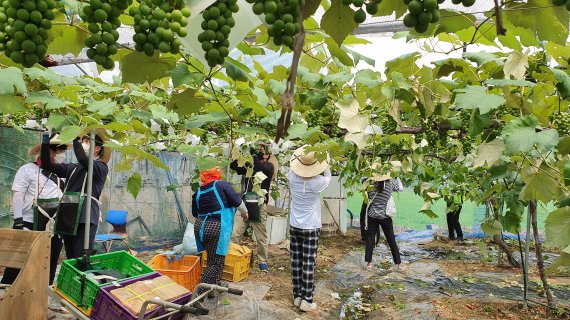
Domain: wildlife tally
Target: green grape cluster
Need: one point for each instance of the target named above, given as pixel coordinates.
(158, 24)
(20, 118)
(501, 111)
(371, 7)
(4, 20)
(217, 25)
(27, 28)
(387, 123)
(326, 121)
(282, 18)
(102, 17)
(431, 135)
(465, 3)
(561, 122)
(421, 13)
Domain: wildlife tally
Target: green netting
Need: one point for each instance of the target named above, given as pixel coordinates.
(13, 154)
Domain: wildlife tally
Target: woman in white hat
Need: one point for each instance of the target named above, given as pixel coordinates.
(305, 183)
(75, 175)
(32, 181)
(378, 215)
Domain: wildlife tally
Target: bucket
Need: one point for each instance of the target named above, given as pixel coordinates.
(251, 200)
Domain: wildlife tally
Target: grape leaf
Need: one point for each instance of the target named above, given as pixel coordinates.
(181, 75)
(50, 102)
(186, 103)
(557, 228)
(64, 39)
(539, 185)
(12, 81)
(338, 21)
(472, 97)
(516, 65)
(489, 152)
(105, 107)
(338, 53)
(134, 184)
(137, 67)
(10, 104)
(533, 14)
(69, 133)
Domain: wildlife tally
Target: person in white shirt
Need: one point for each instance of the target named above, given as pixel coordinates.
(30, 183)
(306, 184)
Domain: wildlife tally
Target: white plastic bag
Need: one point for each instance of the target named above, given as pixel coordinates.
(400, 185)
(188, 246)
(391, 207)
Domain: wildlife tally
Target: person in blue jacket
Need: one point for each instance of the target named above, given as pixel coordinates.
(214, 205)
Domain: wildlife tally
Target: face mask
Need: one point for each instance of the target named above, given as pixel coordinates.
(59, 158)
(86, 147)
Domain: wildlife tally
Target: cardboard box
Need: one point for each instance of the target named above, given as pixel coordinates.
(134, 295)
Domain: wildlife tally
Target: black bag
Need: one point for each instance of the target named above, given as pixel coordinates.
(69, 210)
(251, 200)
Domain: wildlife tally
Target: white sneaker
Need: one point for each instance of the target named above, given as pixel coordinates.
(307, 307)
(297, 302)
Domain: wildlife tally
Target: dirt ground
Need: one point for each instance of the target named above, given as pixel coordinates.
(439, 280)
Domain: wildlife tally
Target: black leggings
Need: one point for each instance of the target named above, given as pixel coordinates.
(388, 229)
(453, 225)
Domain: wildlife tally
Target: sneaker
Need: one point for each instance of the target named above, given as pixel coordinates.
(263, 266)
(307, 307)
(297, 302)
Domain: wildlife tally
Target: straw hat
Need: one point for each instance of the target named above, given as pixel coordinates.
(35, 150)
(105, 156)
(376, 177)
(306, 165)
(273, 160)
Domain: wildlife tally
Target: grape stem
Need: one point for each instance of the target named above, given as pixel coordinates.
(288, 98)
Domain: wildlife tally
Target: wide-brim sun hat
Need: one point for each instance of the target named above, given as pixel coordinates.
(306, 165)
(35, 150)
(273, 160)
(105, 156)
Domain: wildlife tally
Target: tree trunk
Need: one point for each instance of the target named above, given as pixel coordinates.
(504, 248)
(539, 259)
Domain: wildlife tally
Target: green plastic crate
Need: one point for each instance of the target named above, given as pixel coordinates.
(69, 278)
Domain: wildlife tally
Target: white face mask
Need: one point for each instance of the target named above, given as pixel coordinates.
(59, 158)
(86, 146)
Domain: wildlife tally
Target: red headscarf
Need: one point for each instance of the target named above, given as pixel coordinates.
(207, 176)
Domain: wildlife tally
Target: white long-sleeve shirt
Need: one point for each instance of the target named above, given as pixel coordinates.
(306, 199)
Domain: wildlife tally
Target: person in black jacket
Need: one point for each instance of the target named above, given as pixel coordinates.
(260, 164)
(75, 174)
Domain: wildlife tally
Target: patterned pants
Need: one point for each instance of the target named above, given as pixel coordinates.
(304, 244)
(215, 264)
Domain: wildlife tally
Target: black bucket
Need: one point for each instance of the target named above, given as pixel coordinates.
(251, 200)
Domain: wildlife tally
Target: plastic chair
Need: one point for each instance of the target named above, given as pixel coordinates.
(118, 219)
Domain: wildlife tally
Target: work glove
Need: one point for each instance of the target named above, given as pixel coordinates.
(47, 136)
(18, 224)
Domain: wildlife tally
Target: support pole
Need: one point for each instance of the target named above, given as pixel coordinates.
(526, 259)
(89, 190)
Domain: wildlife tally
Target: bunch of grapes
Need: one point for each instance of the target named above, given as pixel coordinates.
(387, 123)
(102, 17)
(501, 111)
(421, 14)
(27, 25)
(157, 25)
(431, 135)
(466, 140)
(282, 17)
(360, 15)
(562, 3)
(326, 121)
(465, 3)
(3, 24)
(217, 25)
(20, 118)
(561, 122)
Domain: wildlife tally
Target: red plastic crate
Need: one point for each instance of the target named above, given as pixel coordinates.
(106, 307)
(186, 271)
